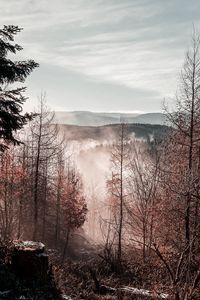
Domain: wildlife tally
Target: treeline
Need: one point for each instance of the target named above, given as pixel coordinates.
(41, 193)
(147, 132)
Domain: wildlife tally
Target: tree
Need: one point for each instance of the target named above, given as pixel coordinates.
(143, 184)
(186, 121)
(117, 187)
(12, 99)
(59, 184)
(45, 147)
(9, 184)
(178, 217)
(73, 206)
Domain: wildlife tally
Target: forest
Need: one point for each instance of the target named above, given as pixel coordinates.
(132, 233)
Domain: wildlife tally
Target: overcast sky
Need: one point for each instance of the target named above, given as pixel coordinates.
(103, 55)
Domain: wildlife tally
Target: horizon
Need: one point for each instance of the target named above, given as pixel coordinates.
(111, 112)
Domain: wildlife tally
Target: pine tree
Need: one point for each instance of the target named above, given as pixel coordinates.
(12, 98)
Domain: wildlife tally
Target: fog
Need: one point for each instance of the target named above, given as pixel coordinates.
(92, 159)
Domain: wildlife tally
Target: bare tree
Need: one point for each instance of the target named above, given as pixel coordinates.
(178, 216)
(117, 186)
(45, 147)
(186, 121)
(143, 184)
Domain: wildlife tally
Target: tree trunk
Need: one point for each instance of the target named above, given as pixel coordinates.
(65, 246)
(119, 252)
(35, 224)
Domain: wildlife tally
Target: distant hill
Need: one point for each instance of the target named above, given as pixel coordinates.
(146, 132)
(151, 118)
(87, 118)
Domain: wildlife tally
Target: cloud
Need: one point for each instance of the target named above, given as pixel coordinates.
(137, 44)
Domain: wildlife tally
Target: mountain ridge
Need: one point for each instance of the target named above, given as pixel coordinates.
(89, 118)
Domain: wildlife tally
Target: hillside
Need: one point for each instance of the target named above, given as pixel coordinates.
(109, 132)
(151, 118)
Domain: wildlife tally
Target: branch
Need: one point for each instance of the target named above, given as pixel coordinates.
(165, 262)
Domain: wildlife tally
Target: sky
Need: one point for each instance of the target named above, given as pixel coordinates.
(103, 55)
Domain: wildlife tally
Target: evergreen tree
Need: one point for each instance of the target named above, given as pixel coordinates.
(12, 98)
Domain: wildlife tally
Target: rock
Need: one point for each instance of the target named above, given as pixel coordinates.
(30, 262)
